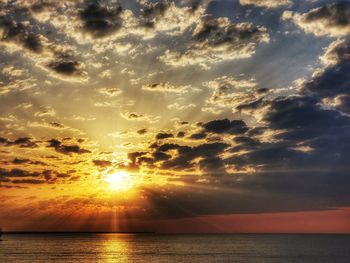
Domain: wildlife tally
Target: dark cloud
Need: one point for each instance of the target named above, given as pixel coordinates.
(20, 161)
(152, 11)
(301, 164)
(101, 17)
(302, 114)
(4, 141)
(162, 135)
(183, 122)
(11, 186)
(63, 175)
(142, 131)
(213, 166)
(217, 39)
(194, 4)
(137, 117)
(23, 142)
(134, 159)
(168, 146)
(28, 181)
(245, 143)
(337, 14)
(17, 173)
(18, 27)
(330, 19)
(181, 134)
(21, 176)
(65, 65)
(160, 156)
(56, 124)
(334, 79)
(198, 136)
(27, 161)
(102, 163)
(32, 42)
(54, 143)
(66, 149)
(251, 105)
(253, 193)
(41, 5)
(214, 32)
(186, 155)
(308, 135)
(256, 131)
(226, 126)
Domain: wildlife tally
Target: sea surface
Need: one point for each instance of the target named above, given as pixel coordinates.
(174, 248)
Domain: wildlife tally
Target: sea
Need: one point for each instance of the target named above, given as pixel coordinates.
(151, 248)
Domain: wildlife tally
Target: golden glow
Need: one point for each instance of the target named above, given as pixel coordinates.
(119, 181)
(115, 248)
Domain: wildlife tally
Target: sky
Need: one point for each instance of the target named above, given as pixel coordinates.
(175, 116)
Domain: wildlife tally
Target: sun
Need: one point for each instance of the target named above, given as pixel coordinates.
(119, 181)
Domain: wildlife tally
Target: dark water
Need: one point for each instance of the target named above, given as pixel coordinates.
(175, 248)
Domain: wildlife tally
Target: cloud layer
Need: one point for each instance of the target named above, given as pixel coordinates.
(212, 107)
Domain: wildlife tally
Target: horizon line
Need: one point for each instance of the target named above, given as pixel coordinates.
(171, 233)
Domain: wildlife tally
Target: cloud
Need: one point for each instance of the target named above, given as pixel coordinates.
(166, 17)
(22, 30)
(18, 27)
(306, 163)
(181, 134)
(45, 111)
(331, 85)
(293, 157)
(17, 173)
(306, 132)
(266, 3)
(218, 39)
(340, 102)
(102, 163)
(178, 106)
(100, 17)
(295, 133)
(175, 157)
(166, 87)
(310, 131)
(152, 11)
(110, 92)
(57, 125)
(22, 142)
(66, 65)
(163, 135)
(27, 161)
(226, 126)
(28, 181)
(133, 116)
(186, 155)
(184, 158)
(330, 20)
(229, 92)
(198, 136)
(142, 131)
(66, 149)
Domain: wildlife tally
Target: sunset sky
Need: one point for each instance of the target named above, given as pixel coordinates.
(175, 116)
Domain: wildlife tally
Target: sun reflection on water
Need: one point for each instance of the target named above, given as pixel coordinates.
(115, 249)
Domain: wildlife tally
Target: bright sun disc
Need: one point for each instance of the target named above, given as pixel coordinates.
(119, 181)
